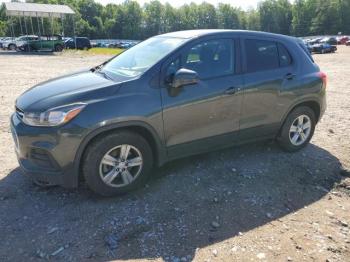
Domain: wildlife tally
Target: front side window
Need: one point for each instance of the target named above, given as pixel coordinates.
(261, 55)
(138, 59)
(211, 58)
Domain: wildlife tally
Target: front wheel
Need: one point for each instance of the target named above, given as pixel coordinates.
(12, 47)
(117, 163)
(297, 129)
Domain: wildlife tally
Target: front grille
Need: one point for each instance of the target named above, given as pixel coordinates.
(19, 113)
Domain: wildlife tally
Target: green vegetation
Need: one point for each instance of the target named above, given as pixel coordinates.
(131, 21)
(105, 51)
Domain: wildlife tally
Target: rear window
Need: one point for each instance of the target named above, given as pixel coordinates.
(261, 55)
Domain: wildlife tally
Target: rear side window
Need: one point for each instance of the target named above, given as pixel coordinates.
(261, 55)
(284, 56)
(306, 51)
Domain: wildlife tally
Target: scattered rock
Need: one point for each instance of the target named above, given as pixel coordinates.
(329, 213)
(55, 253)
(234, 170)
(111, 241)
(183, 259)
(289, 259)
(216, 200)
(215, 252)
(344, 172)
(215, 224)
(40, 254)
(240, 233)
(269, 215)
(336, 193)
(261, 255)
(298, 247)
(52, 230)
(331, 131)
(343, 223)
(140, 220)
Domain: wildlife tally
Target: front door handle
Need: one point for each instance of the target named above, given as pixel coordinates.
(231, 90)
(289, 76)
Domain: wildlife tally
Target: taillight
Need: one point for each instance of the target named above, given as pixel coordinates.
(323, 76)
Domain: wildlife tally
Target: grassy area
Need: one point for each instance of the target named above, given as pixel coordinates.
(95, 51)
(105, 51)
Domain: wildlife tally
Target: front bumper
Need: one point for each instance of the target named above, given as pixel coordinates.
(46, 154)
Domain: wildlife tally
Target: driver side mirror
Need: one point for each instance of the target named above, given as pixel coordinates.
(184, 77)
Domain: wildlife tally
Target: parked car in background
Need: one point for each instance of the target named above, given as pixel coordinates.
(342, 40)
(171, 96)
(329, 40)
(80, 42)
(315, 41)
(324, 48)
(4, 39)
(10, 43)
(347, 43)
(53, 43)
(23, 40)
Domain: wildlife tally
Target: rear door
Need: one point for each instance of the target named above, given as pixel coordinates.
(204, 115)
(268, 69)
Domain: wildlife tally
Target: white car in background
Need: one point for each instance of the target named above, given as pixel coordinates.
(14, 43)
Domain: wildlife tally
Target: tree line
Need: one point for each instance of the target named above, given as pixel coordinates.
(129, 20)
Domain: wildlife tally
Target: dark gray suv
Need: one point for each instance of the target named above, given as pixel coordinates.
(171, 96)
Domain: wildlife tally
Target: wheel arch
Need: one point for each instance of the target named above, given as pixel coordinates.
(313, 104)
(141, 128)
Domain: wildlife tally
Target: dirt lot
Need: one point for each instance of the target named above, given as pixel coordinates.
(247, 203)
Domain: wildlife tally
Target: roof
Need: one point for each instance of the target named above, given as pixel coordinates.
(187, 34)
(34, 10)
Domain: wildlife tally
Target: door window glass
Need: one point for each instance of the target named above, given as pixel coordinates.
(261, 55)
(211, 58)
(285, 58)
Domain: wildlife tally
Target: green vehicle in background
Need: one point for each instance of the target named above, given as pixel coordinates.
(51, 43)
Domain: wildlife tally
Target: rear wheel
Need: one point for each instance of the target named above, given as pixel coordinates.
(117, 163)
(298, 129)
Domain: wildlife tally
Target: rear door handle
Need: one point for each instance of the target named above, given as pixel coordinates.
(231, 90)
(289, 76)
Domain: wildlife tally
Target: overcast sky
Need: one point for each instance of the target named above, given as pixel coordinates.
(245, 4)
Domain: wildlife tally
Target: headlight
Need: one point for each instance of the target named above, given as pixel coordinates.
(53, 117)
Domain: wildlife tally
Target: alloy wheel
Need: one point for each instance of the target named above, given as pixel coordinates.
(300, 130)
(121, 165)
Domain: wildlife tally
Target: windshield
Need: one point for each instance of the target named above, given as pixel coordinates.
(136, 60)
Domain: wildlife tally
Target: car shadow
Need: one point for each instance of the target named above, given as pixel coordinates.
(190, 203)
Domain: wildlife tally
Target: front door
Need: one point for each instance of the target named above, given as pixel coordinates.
(204, 115)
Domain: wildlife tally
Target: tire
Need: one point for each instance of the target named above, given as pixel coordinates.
(58, 48)
(287, 140)
(26, 48)
(12, 47)
(95, 170)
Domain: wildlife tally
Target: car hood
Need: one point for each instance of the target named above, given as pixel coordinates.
(79, 87)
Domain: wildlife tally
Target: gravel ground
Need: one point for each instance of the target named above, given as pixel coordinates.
(249, 203)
